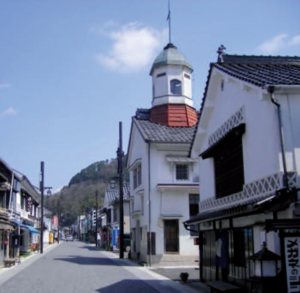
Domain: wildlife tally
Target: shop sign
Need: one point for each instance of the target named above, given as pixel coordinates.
(292, 260)
(116, 232)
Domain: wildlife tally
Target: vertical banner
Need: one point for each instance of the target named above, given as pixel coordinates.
(116, 232)
(292, 261)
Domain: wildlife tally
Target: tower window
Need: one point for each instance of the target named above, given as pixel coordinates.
(176, 87)
(161, 74)
(187, 76)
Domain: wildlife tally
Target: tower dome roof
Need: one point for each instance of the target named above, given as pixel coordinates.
(170, 56)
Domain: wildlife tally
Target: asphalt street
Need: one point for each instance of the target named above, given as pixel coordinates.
(79, 267)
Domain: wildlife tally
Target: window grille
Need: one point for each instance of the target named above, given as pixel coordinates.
(182, 172)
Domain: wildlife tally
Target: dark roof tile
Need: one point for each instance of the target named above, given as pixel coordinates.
(258, 70)
(161, 133)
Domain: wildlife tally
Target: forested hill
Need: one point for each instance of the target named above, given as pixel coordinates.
(79, 196)
(100, 171)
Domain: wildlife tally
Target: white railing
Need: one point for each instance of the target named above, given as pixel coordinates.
(258, 189)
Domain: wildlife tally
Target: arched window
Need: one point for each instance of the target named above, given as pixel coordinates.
(176, 87)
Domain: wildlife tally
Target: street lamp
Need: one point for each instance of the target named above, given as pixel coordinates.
(42, 206)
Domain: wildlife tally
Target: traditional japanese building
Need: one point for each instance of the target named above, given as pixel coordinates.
(248, 142)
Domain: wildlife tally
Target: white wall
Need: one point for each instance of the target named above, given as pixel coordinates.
(261, 131)
(174, 202)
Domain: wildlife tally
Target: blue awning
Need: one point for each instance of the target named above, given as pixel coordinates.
(18, 223)
(32, 229)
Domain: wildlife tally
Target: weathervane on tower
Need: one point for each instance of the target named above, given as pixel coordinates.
(169, 19)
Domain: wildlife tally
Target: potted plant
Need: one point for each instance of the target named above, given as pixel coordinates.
(184, 276)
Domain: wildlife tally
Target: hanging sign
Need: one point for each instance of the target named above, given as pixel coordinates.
(292, 262)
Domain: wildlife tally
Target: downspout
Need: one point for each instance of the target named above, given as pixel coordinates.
(271, 90)
(11, 189)
(149, 206)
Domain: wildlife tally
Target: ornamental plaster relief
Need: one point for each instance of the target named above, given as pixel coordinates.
(252, 192)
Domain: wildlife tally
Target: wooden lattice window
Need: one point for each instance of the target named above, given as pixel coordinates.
(229, 168)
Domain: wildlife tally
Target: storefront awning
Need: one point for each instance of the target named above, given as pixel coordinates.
(32, 229)
(18, 223)
(5, 225)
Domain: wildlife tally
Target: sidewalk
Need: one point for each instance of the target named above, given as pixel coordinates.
(166, 274)
(47, 247)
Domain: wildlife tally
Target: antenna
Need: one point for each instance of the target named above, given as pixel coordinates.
(169, 19)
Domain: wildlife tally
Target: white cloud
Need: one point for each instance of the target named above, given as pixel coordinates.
(278, 43)
(273, 45)
(295, 41)
(134, 46)
(9, 112)
(4, 85)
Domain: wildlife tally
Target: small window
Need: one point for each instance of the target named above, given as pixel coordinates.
(137, 177)
(23, 202)
(176, 87)
(161, 74)
(187, 76)
(182, 172)
(194, 210)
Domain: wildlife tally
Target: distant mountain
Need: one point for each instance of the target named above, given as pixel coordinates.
(80, 195)
(102, 171)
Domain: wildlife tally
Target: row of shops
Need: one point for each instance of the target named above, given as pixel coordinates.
(17, 238)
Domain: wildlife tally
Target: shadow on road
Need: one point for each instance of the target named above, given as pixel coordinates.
(97, 261)
(91, 248)
(136, 286)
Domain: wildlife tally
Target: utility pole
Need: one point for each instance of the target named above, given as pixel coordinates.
(58, 220)
(96, 217)
(79, 230)
(42, 206)
(120, 171)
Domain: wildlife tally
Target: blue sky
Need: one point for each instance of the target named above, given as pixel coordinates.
(71, 70)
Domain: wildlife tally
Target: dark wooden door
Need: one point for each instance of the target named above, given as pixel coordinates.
(171, 236)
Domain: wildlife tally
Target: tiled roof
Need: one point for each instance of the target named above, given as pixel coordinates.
(258, 70)
(113, 194)
(159, 133)
(262, 70)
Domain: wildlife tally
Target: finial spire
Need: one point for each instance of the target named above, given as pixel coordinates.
(221, 53)
(169, 19)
